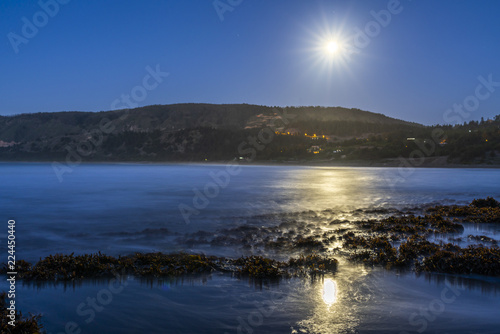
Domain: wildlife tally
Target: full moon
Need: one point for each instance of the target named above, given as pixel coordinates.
(332, 47)
(329, 50)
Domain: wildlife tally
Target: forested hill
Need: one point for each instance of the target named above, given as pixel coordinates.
(168, 118)
(208, 132)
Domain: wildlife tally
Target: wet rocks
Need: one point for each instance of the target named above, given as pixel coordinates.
(310, 243)
(372, 250)
(24, 325)
(260, 267)
(69, 267)
(402, 240)
(489, 202)
(423, 255)
(471, 260)
(414, 225)
(482, 238)
(478, 211)
(314, 264)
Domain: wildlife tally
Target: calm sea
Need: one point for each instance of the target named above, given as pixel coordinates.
(124, 208)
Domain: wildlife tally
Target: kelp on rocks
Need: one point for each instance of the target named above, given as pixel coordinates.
(23, 324)
(70, 267)
(413, 224)
(424, 255)
(377, 242)
(478, 211)
(394, 241)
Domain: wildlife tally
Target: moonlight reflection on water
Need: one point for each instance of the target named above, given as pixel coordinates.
(329, 291)
(122, 209)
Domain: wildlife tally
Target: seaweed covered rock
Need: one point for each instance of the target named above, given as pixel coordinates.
(413, 248)
(478, 211)
(258, 266)
(23, 324)
(411, 224)
(309, 243)
(489, 202)
(67, 267)
(471, 260)
(418, 252)
(159, 264)
(314, 263)
(370, 250)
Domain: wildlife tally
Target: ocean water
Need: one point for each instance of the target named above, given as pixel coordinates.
(224, 210)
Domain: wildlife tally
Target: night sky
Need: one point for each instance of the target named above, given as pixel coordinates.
(411, 60)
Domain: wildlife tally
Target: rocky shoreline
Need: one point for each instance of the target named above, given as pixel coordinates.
(400, 240)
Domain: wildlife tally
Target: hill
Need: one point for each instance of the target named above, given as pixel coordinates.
(208, 132)
(28, 127)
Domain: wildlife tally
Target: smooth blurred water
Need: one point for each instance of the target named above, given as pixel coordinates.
(124, 208)
(365, 301)
(107, 207)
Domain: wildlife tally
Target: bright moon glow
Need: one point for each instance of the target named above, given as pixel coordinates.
(329, 50)
(329, 291)
(332, 47)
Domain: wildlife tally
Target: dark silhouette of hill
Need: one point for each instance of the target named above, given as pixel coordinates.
(28, 127)
(210, 132)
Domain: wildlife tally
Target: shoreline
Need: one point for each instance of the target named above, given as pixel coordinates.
(325, 163)
(398, 242)
(410, 239)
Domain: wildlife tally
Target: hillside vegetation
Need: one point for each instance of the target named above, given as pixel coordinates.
(208, 132)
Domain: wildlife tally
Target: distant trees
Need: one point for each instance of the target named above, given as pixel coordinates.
(197, 132)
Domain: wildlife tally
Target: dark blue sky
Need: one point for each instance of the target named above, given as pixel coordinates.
(414, 66)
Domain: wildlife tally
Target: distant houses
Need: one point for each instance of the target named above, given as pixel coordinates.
(292, 132)
(288, 132)
(314, 136)
(314, 149)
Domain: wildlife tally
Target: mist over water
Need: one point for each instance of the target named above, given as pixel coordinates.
(123, 208)
(120, 209)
